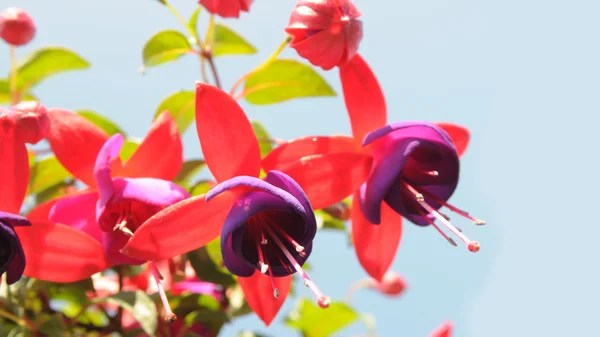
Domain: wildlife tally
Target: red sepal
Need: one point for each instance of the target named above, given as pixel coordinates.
(258, 292)
(295, 149)
(59, 253)
(329, 178)
(363, 97)
(228, 142)
(160, 154)
(375, 245)
(75, 142)
(179, 228)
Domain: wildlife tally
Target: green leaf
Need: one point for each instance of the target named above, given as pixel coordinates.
(165, 46)
(46, 62)
(45, 174)
(207, 270)
(52, 326)
(264, 139)
(189, 169)
(237, 302)
(314, 321)
(69, 300)
(129, 147)
(102, 122)
(194, 21)
(201, 187)
(54, 191)
(282, 80)
(228, 42)
(326, 221)
(5, 93)
(211, 319)
(182, 108)
(137, 303)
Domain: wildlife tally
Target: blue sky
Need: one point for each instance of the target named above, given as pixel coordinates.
(522, 75)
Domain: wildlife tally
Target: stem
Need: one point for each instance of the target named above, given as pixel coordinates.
(271, 58)
(13, 76)
(12, 317)
(120, 312)
(181, 20)
(213, 68)
(356, 286)
(8, 292)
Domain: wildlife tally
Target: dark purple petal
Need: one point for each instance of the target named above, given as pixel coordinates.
(102, 174)
(12, 258)
(404, 152)
(14, 219)
(147, 196)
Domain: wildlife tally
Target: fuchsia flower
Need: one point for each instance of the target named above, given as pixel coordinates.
(325, 32)
(16, 26)
(75, 236)
(32, 121)
(227, 8)
(402, 169)
(266, 225)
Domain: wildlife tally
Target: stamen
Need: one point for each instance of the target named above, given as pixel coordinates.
(263, 239)
(473, 246)
(122, 221)
(454, 209)
(431, 222)
(271, 278)
(170, 317)
(322, 300)
(432, 173)
(299, 248)
(283, 263)
(261, 258)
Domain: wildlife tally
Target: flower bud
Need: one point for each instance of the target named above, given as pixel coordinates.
(32, 120)
(226, 8)
(392, 284)
(325, 32)
(16, 26)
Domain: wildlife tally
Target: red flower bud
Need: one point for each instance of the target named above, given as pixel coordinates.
(226, 8)
(32, 121)
(392, 284)
(16, 26)
(325, 32)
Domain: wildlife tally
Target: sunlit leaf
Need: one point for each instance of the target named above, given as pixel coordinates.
(46, 62)
(165, 46)
(313, 321)
(207, 270)
(137, 303)
(46, 173)
(228, 42)
(264, 139)
(188, 170)
(237, 302)
(194, 20)
(102, 122)
(201, 187)
(283, 80)
(54, 191)
(69, 300)
(5, 93)
(181, 106)
(129, 147)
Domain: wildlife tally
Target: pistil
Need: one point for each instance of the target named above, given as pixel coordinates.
(170, 317)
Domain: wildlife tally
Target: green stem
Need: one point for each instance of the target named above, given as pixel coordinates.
(271, 58)
(181, 20)
(356, 286)
(12, 317)
(13, 75)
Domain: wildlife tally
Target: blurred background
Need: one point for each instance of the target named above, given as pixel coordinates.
(523, 76)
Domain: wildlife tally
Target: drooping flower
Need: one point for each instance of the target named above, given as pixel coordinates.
(325, 32)
(392, 284)
(444, 330)
(16, 26)
(83, 232)
(31, 119)
(402, 169)
(227, 8)
(12, 258)
(266, 225)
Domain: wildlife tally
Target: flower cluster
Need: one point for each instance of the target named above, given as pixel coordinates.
(125, 216)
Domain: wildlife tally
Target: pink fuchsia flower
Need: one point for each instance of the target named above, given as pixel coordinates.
(16, 26)
(325, 32)
(401, 169)
(12, 258)
(242, 209)
(227, 8)
(79, 235)
(444, 330)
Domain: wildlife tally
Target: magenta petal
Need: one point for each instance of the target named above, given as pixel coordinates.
(102, 174)
(78, 212)
(112, 243)
(196, 287)
(153, 194)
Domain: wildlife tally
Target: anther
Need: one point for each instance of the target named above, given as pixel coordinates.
(324, 302)
(474, 246)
